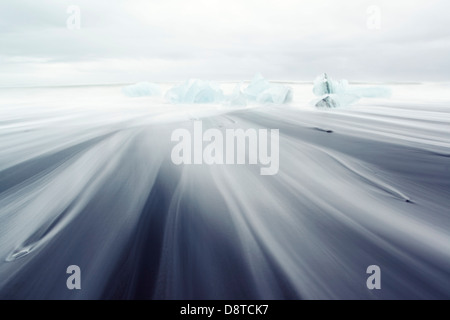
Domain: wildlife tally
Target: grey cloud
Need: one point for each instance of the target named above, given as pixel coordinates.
(287, 39)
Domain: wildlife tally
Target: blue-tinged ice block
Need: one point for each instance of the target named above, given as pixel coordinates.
(326, 102)
(195, 91)
(334, 94)
(257, 86)
(237, 98)
(142, 89)
(335, 100)
(262, 91)
(276, 94)
(323, 85)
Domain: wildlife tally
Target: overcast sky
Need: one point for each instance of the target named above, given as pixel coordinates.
(163, 40)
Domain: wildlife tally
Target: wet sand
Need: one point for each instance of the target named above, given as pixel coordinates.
(360, 186)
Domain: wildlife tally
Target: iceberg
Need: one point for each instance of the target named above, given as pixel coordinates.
(142, 89)
(335, 100)
(238, 98)
(259, 90)
(334, 94)
(195, 91)
(276, 94)
(326, 102)
(262, 91)
(257, 86)
(324, 85)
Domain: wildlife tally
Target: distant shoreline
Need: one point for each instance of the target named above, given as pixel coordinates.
(224, 82)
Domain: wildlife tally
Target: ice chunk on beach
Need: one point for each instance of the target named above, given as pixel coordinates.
(195, 91)
(325, 85)
(141, 89)
(335, 100)
(334, 94)
(326, 102)
(237, 98)
(276, 94)
(257, 86)
(262, 91)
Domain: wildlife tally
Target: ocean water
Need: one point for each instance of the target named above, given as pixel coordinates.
(86, 179)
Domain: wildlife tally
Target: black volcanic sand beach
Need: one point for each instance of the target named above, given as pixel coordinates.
(353, 189)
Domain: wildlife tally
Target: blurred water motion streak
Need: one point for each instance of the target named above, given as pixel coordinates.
(88, 181)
